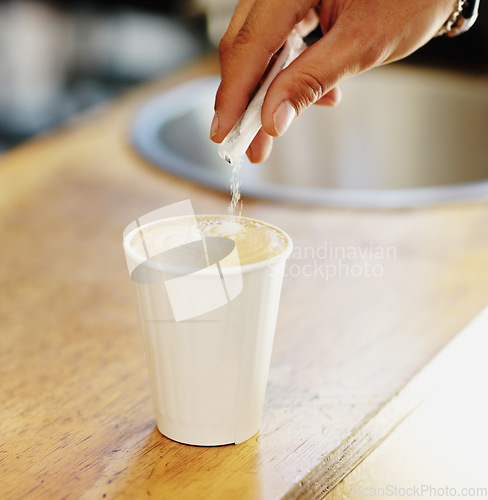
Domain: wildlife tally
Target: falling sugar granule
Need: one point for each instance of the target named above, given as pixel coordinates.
(235, 207)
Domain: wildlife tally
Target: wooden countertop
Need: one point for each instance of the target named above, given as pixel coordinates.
(76, 415)
(439, 449)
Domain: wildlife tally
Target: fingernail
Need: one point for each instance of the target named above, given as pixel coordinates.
(283, 116)
(214, 128)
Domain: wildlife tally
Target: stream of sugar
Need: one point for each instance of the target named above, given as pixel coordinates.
(235, 206)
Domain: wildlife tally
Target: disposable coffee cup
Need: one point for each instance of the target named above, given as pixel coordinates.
(208, 289)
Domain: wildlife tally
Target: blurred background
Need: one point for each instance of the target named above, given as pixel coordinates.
(59, 58)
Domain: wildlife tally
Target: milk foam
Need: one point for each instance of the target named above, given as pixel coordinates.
(255, 241)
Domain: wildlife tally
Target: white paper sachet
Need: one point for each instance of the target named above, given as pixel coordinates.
(247, 126)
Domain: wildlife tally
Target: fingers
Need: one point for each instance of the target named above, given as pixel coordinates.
(239, 16)
(221, 120)
(260, 148)
(332, 98)
(308, 23)
(247, 51)
(312, 78)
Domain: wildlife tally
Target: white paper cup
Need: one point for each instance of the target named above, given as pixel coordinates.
(208, 372)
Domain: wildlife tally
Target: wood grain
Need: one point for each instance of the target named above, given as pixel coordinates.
(76, 418)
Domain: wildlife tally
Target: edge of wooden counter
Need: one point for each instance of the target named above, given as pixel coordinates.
(352, 451)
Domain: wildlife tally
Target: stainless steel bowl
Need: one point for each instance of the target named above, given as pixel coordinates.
(401, 137)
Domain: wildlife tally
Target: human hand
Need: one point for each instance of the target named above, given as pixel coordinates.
(358, 35)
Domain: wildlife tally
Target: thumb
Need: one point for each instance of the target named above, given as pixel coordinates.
(314, 74)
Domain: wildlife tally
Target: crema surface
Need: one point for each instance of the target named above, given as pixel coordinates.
(255, 241)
